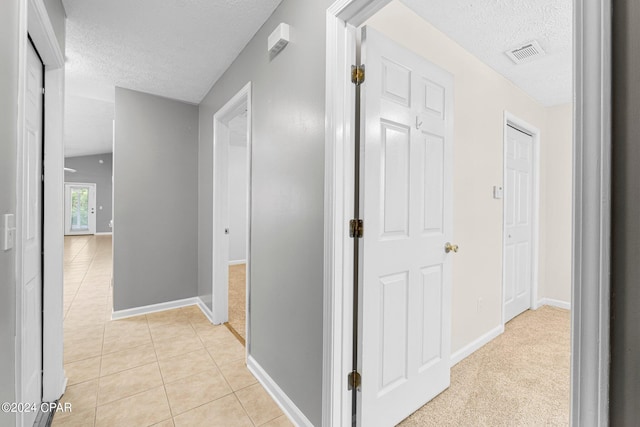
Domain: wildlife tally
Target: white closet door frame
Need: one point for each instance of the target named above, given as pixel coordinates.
(220, 261)
(35, 22)
(514, 121)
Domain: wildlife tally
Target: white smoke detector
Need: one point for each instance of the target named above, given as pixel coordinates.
(525, 52)
(278, 39)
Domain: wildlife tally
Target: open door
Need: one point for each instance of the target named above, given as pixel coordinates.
(406, 120)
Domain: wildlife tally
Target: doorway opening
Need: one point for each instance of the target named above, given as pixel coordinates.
(478, 175)
(232, 215)
(238, 190)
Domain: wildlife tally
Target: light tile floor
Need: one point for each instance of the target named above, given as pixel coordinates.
(172, 368)
(238, 299)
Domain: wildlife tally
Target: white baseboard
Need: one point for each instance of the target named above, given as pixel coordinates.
(104, 233)
(288, 407)
(147, 309)
(554, 303)
(470, 348)
(205, 310)
(238, 261)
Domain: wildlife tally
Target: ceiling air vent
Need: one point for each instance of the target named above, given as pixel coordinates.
(526, 52)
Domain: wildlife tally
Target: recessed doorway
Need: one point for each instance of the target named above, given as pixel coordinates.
(232, 215)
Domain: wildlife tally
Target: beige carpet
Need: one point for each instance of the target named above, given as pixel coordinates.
(519, 379)
(237, 299)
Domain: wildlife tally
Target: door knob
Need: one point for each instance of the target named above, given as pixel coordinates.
(448, 247)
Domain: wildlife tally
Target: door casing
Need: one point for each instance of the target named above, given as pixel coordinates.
(591, 208)
(220, 298)
(35, 22)
(514, 121)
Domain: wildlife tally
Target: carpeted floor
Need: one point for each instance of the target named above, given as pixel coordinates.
(237, 299)
(520, 378)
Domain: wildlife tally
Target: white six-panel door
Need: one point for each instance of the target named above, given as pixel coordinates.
(31, 286)
(518, 223)
(405, 323)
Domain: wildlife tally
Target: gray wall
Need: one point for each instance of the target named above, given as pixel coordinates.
(89, 169)
(155, 200)
(625, 329)
(8, 119)
(287, 198)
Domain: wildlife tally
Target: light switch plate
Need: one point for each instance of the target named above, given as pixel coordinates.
(9, 231)
(497, 192)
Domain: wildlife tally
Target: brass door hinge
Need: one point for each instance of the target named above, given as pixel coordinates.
(357, 74)
(354, 380)
(356, 228)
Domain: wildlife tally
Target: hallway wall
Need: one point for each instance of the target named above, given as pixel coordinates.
(155, 200)
(8, 133)
(90, 170)
(287, 199)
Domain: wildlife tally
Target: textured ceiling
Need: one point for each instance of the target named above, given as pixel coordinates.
(179, 48)
(487, 28)
(172, 48)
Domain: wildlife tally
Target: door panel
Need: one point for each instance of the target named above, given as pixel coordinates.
(518, 223)
(405, 306)
(31, 287)
(395, 180)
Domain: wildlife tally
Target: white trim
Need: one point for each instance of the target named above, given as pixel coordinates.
(53, 378)
(220, 283)
(475, 345)
(237, 262)
(153, 308)
(43, 35)
(289, 408)
(34, 20)
(518, 123)
(104, 233)
(590, 298)
(205, 310)
(554, 303)
(339, 203)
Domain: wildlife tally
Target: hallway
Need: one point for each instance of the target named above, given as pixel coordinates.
(170, 368)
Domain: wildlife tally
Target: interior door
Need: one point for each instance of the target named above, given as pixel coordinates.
(80, 208)
(405, 307)
(31, 238)
(518, 223)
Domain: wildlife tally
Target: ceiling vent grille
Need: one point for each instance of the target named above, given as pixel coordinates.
(525, 53)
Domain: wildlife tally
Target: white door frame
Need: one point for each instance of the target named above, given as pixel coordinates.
(220, 288)
(591, 207)
(34, 20)
(67, 215)
(529, 129)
